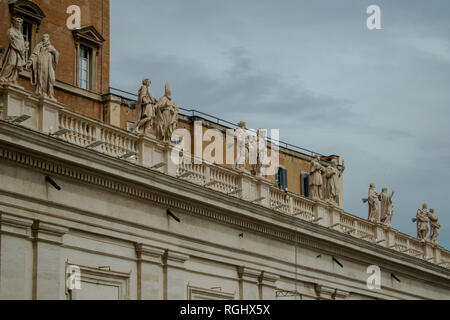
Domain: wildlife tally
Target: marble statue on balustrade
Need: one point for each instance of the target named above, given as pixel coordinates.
(242, 146)
(422, 220)
(166, 116)
(316, 179)
(145, 108)
(263, 160)
(252, 144)
(42, 64)
(13, 61)
(257, 148)
(332, 188)
(387, 208)
(435, 226)
(373, 201)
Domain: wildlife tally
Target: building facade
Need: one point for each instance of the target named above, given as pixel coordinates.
(92, 209)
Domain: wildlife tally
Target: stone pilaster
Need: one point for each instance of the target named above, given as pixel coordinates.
(263, 187)
(437, 253)
(267, 285)
(321, 210)
(390, 237)
(16, 262)
(429, 251)
(149, 272)
(174, 287)
(49, 116)
(112, 104)
(248, 283)
(334, 215)
(48, 267)
(248, 185)
(17, 102)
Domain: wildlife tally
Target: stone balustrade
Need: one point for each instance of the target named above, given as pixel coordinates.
(83, 131)
(49, 117)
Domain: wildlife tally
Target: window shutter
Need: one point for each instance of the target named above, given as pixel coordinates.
(306, 177)
(285, 180)
(302, 183)
(277, 177)
(305, 184)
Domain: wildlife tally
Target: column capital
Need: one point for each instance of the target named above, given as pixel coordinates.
(149, 254)
(175, 259)
(268, 279)
(248, 274)
(17, 226)
(47, 232)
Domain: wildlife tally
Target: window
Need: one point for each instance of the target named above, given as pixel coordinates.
(209, 294)
(85, 65)
(88, 44)
(282, 179)
(27, 32)
(99, 284)
(305, 184)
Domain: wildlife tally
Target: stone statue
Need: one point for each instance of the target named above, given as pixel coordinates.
(316, 179)
(166, 116)
(242, 145)
(145, 107)
(422, 222)
(374, 204)
(253, 150)
(387, 208)
(43, 64)
(435, 226)
(262, 151)
(332, 187)
(14, 58)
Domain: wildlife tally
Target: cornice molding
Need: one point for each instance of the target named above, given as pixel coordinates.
(279, 226)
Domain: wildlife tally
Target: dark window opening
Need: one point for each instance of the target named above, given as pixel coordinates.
(305, 184)
(282, 179)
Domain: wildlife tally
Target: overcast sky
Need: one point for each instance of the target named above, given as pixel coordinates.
(378, 98)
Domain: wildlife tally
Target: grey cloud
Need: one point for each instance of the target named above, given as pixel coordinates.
(379, 99)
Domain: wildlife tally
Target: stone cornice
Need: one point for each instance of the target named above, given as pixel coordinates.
(120, 176)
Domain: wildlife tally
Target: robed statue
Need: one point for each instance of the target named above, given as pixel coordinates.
(422, 221)
(316, 179)
(145, 107)
(13, 61)
(332, 175)
(387, 208)
(374, 204)
(166, 116)
(435, 226)
(43, 64)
